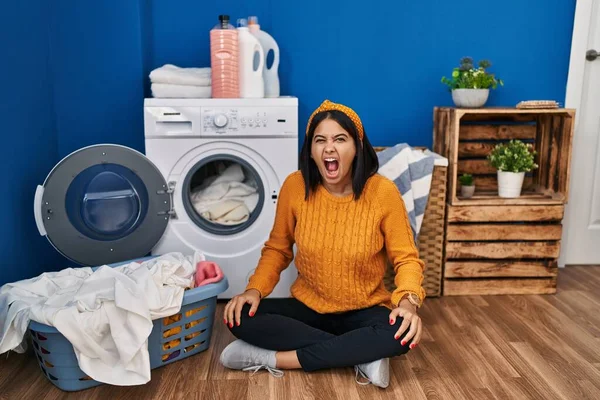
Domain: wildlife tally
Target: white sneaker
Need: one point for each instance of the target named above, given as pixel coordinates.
(244, 356)
(376, 372)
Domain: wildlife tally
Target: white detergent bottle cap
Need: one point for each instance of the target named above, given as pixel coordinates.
(253, 24)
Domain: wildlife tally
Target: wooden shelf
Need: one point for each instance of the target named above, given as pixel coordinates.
(506, 214)
(496, 245)
(496, 269)
(509, 110)
(502, 249)
(488, 287)
(492, 198)
(467, 136)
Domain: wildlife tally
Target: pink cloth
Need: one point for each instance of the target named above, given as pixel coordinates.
(207, 272)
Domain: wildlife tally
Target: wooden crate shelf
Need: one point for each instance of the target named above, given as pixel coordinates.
(500, 286)
(500, 269)
(512, 213)
(495, 245)
(507, 249)
(466, 137)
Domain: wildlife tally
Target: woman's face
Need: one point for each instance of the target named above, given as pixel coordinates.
(333, 150)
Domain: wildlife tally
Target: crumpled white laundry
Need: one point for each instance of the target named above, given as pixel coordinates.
(167, 90)
(226, 199)
(106, 314)
(173, 74)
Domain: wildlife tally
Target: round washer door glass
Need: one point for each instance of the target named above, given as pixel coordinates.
(223, 194)
(104, 204)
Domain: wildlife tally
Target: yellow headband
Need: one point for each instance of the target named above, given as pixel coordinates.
(330, 106)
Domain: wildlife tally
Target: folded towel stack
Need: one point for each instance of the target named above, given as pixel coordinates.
(172, 81)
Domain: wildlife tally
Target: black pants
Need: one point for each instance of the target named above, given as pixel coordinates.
(322, 340)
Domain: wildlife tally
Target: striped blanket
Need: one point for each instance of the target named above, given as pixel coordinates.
(411, 170)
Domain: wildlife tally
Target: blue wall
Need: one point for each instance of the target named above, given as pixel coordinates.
(28, 133)
(78, 73)
(386, 61)
(97, 73)
(73, 77)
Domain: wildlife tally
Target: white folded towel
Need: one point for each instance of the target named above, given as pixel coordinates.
(170, 73)
(180, 91)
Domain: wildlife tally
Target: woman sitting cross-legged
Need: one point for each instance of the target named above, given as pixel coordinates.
(346, 221)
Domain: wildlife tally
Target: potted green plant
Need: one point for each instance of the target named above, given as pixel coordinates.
(511, 161)
(470, 86)
(467, 187)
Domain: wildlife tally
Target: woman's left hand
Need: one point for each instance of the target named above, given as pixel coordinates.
(408, 312)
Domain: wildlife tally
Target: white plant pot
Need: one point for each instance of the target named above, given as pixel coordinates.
(470, 98)
(510, 183)
(467, 191)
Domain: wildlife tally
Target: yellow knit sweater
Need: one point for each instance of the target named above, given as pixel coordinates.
(342, 247)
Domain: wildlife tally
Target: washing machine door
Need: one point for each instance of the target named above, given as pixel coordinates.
(103, 204)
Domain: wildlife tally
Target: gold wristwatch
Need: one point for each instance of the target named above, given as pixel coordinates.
(413, 298)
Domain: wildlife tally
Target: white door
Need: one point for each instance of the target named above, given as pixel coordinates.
(581, 233)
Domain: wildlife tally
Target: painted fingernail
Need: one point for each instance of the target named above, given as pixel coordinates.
(403, 342)
(231, 325)
(396, 337)
(238, 323)
(225, 320)
(252, 314)
(412, 346)
(391, 322)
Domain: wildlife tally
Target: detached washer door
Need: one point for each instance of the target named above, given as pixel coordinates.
(103, 204)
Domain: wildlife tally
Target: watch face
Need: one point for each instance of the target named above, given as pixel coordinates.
(413, 299)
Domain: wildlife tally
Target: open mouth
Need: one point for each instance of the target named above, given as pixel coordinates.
(331, 167)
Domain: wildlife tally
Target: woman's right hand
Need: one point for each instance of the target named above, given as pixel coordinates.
(233, 309)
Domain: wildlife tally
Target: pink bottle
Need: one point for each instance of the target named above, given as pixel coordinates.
(224, 53)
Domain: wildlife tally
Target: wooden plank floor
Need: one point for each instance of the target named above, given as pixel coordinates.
(476, 347)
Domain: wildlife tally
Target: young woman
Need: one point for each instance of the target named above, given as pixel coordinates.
(346, 222)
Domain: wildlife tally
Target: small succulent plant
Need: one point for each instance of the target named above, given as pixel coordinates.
(514, 156)
(467, 76)
(466, 179)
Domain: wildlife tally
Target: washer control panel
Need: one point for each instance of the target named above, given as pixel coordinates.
(220, 120)
(216, 118)
(247, 121)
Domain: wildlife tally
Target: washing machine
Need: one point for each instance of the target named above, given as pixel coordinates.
(209, 181)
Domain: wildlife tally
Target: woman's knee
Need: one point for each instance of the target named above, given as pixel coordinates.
(244, 325)
(395, 345)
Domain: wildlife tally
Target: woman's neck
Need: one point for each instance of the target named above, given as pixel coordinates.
(339, 189)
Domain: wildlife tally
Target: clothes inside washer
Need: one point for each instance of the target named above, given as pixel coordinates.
(227, 198)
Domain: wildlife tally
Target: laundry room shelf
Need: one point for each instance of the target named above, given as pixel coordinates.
(510, 249)
(497, 245)
(466, 137)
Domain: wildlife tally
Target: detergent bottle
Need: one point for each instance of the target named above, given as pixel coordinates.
(224, 60)
(270, 74)
(251, 62)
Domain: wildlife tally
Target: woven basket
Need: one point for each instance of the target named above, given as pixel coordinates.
(430, 241)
